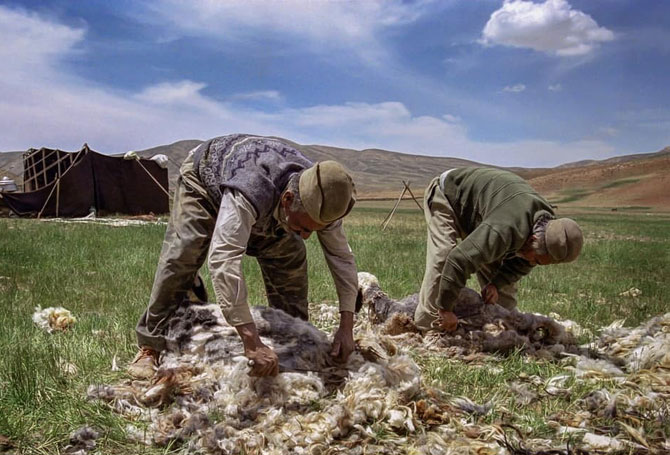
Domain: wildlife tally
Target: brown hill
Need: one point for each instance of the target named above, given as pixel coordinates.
(378, 173)
(638, 181)
(11, 165)
(641, 180)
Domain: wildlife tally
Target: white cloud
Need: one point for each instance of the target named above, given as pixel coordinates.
(319, 25)
(608, 131)
(54, 108)
(166, 92)
(551, 27)
(517, 88)
(260, 95)
(30, 43)
(555, 88)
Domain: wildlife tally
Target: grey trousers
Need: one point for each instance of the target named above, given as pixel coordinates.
(281, 255)
(443, 233)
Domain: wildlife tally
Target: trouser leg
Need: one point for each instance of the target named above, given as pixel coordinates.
(506, 294)
(442, 235)
(283, 262)
(184, 250)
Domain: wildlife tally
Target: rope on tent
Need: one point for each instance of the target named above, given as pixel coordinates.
(152, 177)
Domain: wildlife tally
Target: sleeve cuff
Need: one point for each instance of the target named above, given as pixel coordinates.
(348, 304)
(446, 298)
(239, 316)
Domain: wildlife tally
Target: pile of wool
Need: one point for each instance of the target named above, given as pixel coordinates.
(637, 361)
(53, 319)
(482, 327)
(633, 363)
(203, 397)
(203, 400)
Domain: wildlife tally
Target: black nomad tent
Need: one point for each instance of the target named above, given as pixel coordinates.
(63, 184)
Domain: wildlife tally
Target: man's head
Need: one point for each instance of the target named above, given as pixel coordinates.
(553, 241)
(316, 197)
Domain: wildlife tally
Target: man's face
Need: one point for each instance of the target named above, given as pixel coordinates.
(536, 259)
(299, 222)
(530, 255)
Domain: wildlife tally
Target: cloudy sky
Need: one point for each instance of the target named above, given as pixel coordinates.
(526, 83)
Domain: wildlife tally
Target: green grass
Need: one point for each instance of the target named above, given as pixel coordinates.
(571, 195)
(104, 274)
(620, 182)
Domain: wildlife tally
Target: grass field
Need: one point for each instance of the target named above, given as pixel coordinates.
(104, 274)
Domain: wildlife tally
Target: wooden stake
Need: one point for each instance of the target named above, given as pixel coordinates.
(387, 220)
(412, 194)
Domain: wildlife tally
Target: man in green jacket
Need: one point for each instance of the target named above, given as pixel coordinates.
(506, 229)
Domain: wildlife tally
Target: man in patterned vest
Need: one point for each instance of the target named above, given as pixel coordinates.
(242, 194)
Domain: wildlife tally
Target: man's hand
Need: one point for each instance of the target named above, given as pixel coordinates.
(490, 294)
(447, 320)
(262, 359)
(343, 341)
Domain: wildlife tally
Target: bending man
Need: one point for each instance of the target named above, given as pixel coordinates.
(242, 194)
(506, 229)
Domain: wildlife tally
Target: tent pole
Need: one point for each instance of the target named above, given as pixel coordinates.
(57, 195)
(57, 185)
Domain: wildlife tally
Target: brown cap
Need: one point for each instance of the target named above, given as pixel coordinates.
(564, 239)
(327, 191)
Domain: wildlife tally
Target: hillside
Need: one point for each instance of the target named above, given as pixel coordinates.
(621, 182)
(378, 173)
(630, 181)
(11, 165)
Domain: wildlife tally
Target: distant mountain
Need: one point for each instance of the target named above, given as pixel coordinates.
(631, 181)
(617, 159)
(377, 173)
(641, 180)
(11, 165)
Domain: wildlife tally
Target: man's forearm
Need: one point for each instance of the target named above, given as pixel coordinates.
(346, 320)
(249, 336)
(447, 295)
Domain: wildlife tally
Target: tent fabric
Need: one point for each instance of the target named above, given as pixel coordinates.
(108, 184)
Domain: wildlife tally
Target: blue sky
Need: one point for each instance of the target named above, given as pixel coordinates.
(516, 83)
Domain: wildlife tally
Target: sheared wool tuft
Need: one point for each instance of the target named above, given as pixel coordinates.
(82, 441)
(53, 319)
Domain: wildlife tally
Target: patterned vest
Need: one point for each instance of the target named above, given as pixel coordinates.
(259, 167)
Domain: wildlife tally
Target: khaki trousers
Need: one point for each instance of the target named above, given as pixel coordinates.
(281, 255)
(443, 233)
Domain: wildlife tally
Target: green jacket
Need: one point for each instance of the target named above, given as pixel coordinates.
(496, 211)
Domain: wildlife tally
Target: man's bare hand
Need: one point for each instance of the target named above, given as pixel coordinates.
(447, 320)
(343, 341)
(263, 361)
(490, 294)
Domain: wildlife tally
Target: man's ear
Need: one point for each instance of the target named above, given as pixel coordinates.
(287, 197)
(529, 242)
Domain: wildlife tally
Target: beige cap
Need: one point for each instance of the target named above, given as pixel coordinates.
(564, 239)
(327, 191)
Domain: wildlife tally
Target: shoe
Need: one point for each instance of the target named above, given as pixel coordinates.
(144, 364)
